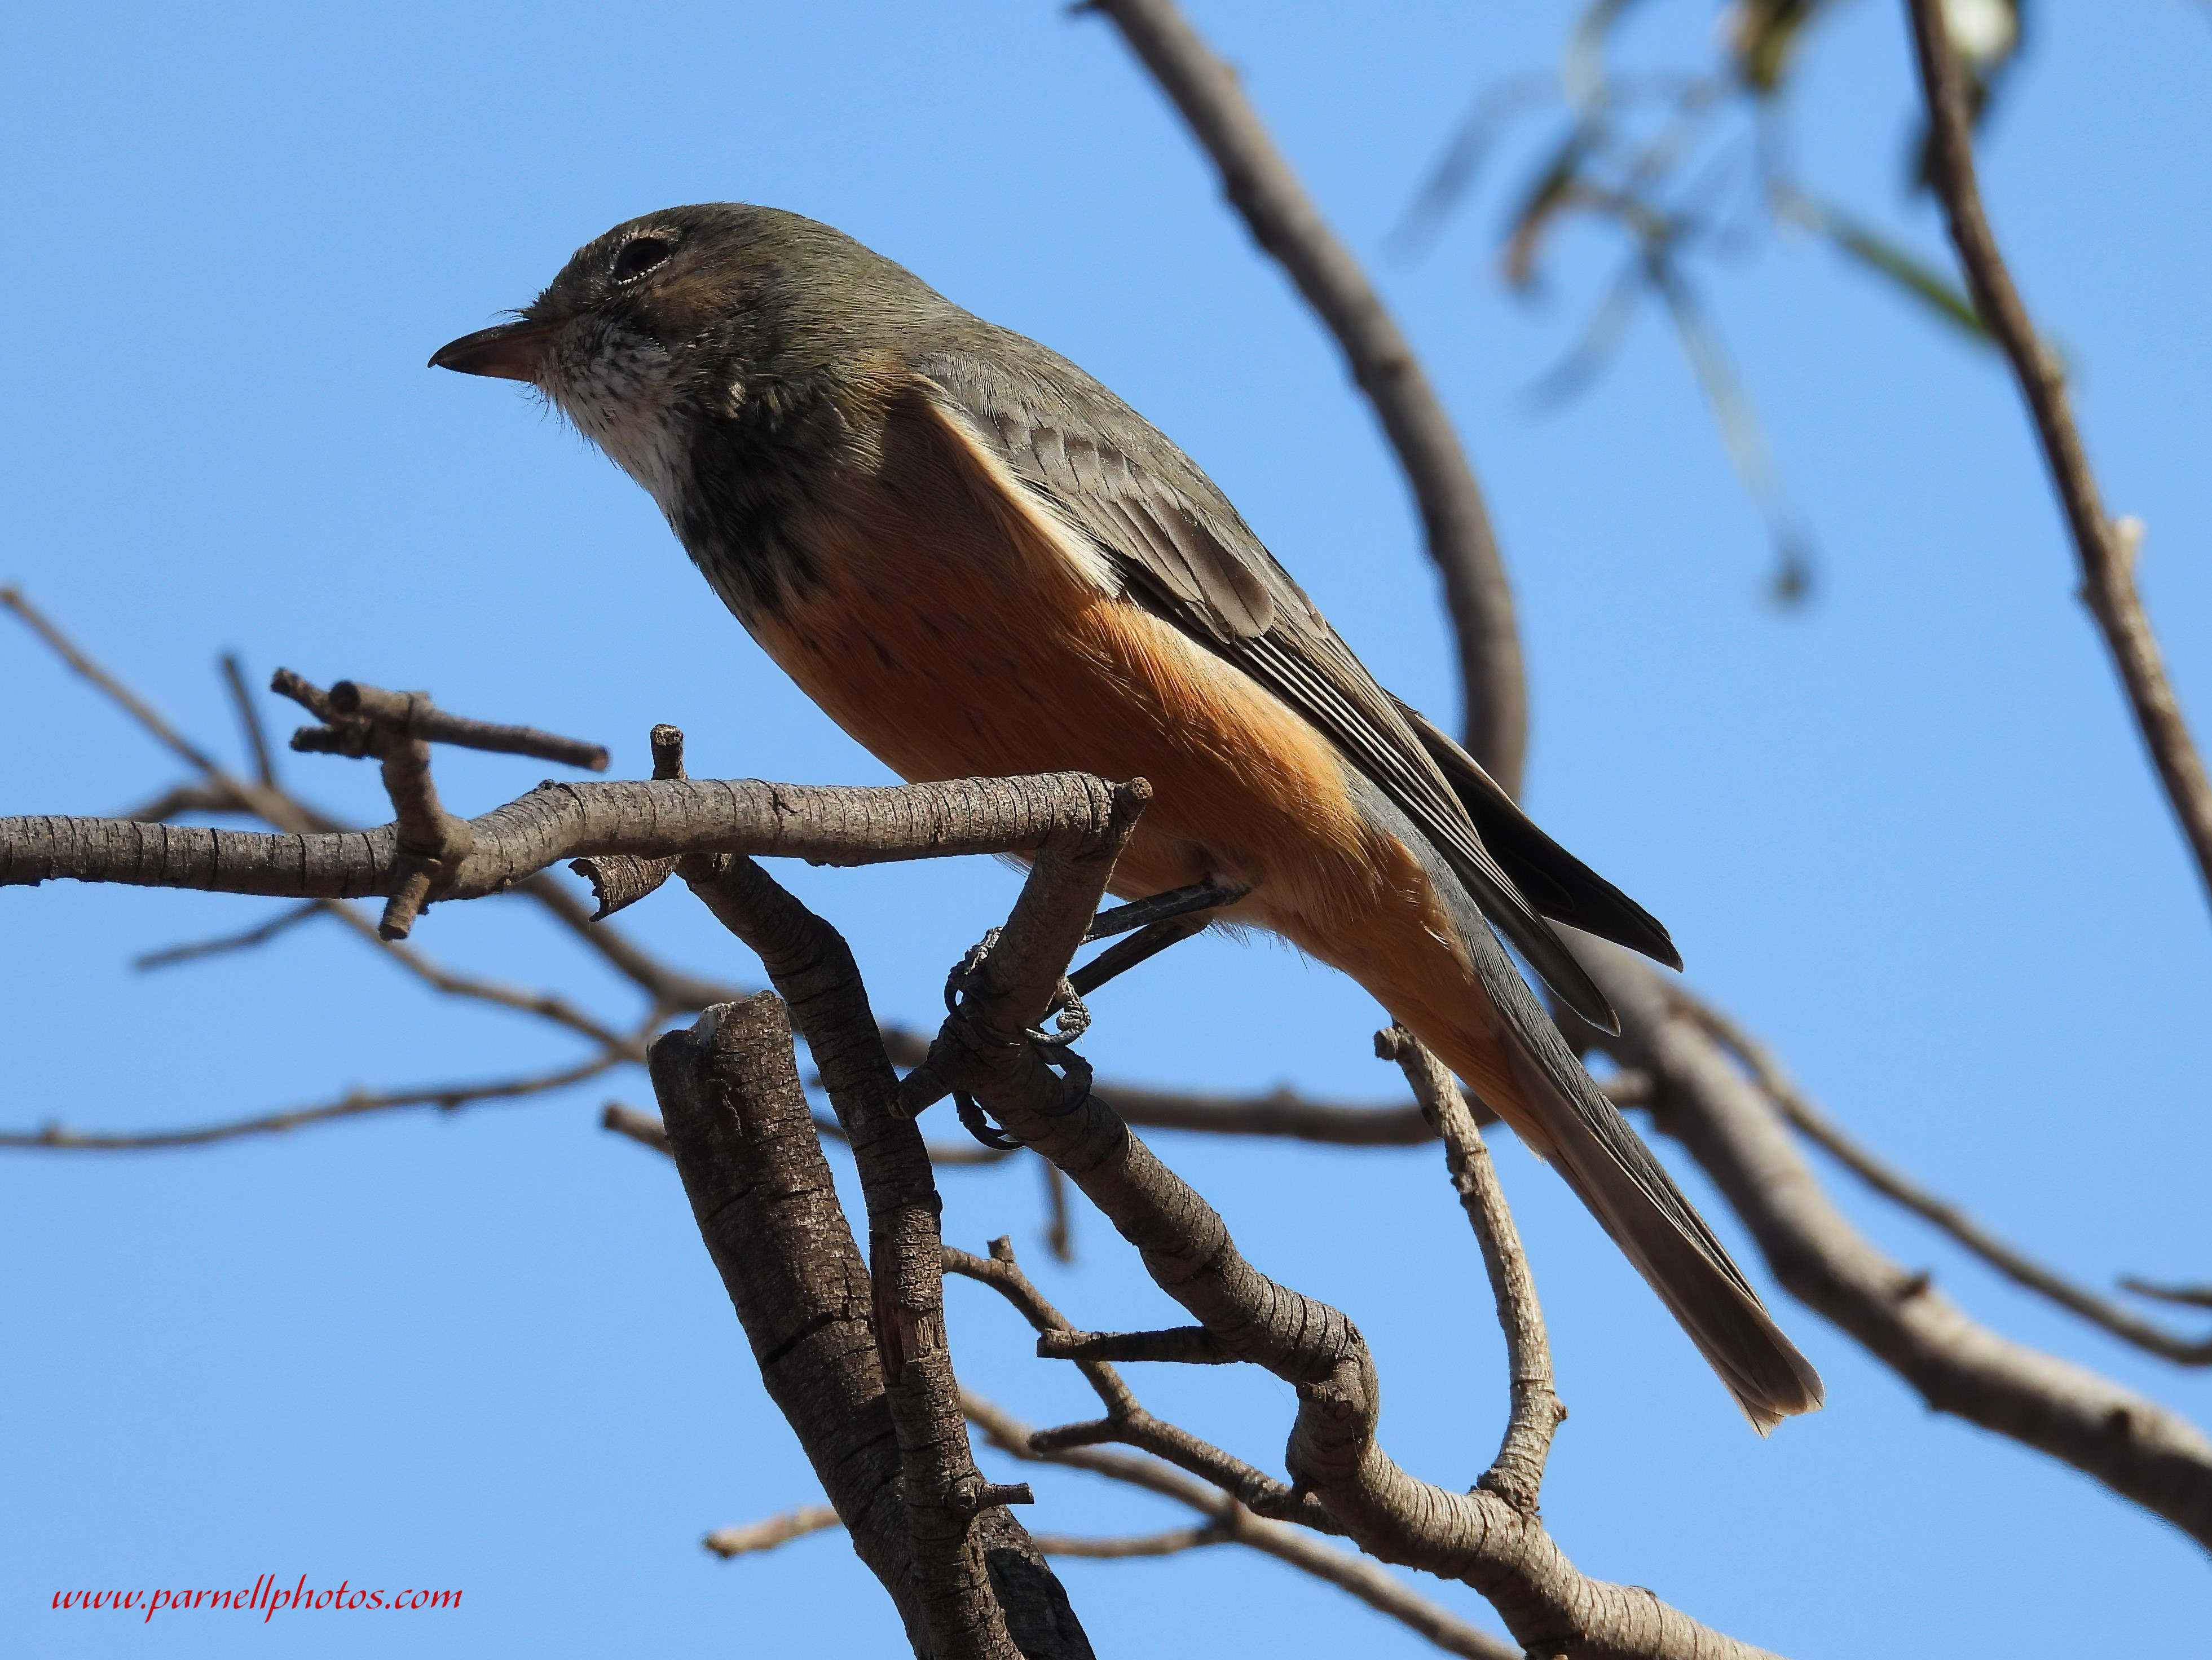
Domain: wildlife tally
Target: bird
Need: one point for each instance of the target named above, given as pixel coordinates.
(978, 561)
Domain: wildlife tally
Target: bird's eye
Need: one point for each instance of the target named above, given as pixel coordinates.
(640, 255)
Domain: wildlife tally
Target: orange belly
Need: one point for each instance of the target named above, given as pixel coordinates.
(951, 652)
(945, 660)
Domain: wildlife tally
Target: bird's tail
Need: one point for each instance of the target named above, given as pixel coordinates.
(1483, 1023)
(1539, 1088)
(1658, 1230)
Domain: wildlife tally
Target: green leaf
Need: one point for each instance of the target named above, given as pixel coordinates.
(1921, 281)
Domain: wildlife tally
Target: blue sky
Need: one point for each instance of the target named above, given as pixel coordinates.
(1906, 832)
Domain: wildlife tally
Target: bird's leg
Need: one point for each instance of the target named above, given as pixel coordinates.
(1159, 907)
(1159, 920)
(1124, 954)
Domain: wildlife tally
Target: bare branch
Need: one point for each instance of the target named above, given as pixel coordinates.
(1829, 1136)
(726, 1543)
(1186, 1247)
(543, 1004)
(1127, 1421)
(185, 798)
(2188, 1296)
(290, 917)
(979, 1578)
(1285, 223)
(353, 713)
(766, 1209)
(1059, 1228)
(1371, 1584)
(1003, 1274)
(1702, 1098)
(273, 805)
(1283, 1113)
(117, 692)
(827, 824)
(672, 990)
(1169, 1543)
(447, 1098)
(1516, 1474)
(640, 1127)
(2106, 549)
(249, 718)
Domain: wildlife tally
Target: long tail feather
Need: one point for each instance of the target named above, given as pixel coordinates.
(1516, 1061)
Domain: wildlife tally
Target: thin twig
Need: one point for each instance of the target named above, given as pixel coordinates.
(290, 917)
(1059, 1232)
(1368, 1581)
(640, 1127)
(1126, 1420)
(447, 1098)
(1817, 1127)
(673, 991)
(2104, 549)
(543, 1004)
(1703, 1097)
(352, 712)
(1172, 1543)
(275, 806)
(767, 1535)
(249, 717)
(117, 691)
(1280, 1113)
(2187, 1296)
(1516, 1474)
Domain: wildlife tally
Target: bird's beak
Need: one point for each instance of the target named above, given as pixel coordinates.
(512, 351)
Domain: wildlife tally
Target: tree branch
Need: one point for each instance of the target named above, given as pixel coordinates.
(983, 1589)
(1221, 1501)
(1824, 1132)
(1285, 223)
(825, 824)
(2139, 1449)
(1480, 1537)
(2105, 550)
(1516, 1474)
(554, 1011)
(745, 1145)
(249, 721)
(1283, 1113)
(447, 1098)
(767, 1535)
(290, 918)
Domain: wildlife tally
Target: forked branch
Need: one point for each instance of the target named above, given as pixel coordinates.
(1334, 1456)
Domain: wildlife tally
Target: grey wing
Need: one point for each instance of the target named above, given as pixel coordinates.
(1560, 885)
(1186, 555)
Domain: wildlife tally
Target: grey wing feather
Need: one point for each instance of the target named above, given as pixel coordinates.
(1634, 1199)
(1186, 555)
(1560, 885)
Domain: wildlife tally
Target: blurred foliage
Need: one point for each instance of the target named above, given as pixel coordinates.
(1690, 164)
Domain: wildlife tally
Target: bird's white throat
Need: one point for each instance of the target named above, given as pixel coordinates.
(619, 389)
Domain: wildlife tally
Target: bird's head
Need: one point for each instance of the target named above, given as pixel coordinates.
(695, 313)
